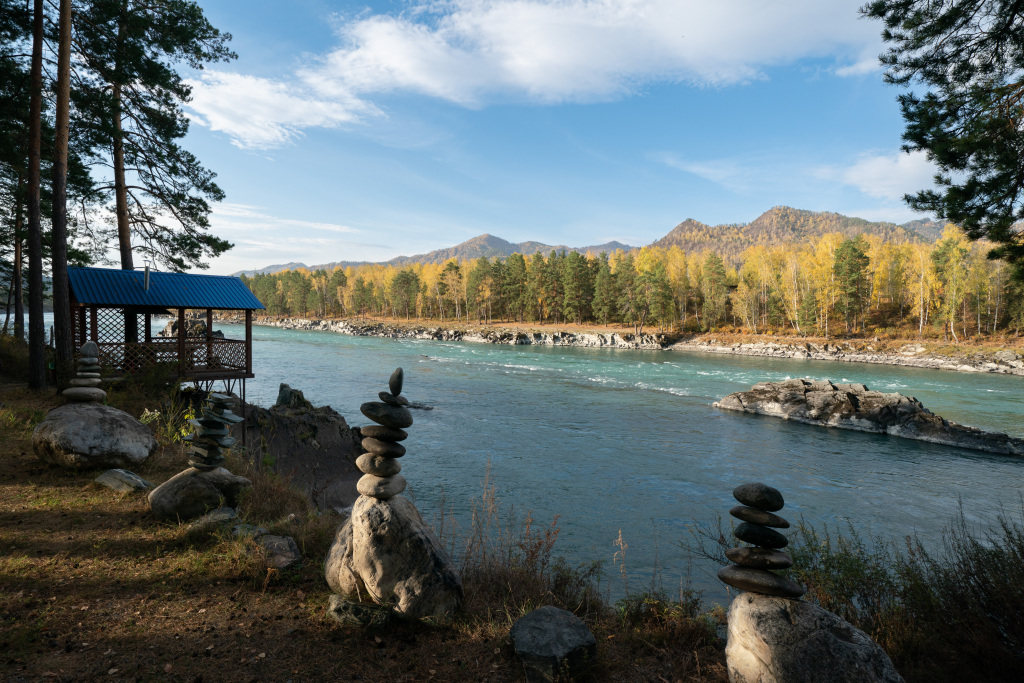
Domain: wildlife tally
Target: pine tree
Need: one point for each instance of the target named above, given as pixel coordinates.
(605, 293)
(851, 268)
(970, 122)
(714, 290)
(129, 103)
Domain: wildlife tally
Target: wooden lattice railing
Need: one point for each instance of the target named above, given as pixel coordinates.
(200, 356)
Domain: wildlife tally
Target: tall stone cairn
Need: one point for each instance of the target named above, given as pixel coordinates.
(211, 433)
(385, 551)
(379, 465)
(757, 526)
(85, 387)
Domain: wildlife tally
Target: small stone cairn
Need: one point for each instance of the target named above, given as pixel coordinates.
(381, 478)
(211, 433)
(205, 485)
(85, 387)
(750, 571)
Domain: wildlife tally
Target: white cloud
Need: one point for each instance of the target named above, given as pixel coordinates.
(261, 239)
(468, 51)
(474, 52)
(249, 217)
(725, 172)
(259, 113)
(885, 176)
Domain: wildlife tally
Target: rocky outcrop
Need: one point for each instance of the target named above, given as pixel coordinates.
(777, 640)
(911, 355)
(314, 447)
(553, 645)
(91, 435)
(854, 406)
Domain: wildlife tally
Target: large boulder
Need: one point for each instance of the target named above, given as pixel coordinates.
(314, 447)
(553, 644)
(87, 435)
(386, 551)
(194, 492)
(854, 406)
(778, 640)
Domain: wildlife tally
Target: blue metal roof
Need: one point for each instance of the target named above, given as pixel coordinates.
(109, 287)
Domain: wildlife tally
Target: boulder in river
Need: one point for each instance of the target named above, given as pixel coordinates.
(854, 406)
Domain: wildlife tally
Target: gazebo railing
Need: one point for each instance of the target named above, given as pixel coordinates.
(201, 356)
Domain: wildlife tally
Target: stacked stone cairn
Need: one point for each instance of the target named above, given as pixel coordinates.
(380, 468)
(757, 526)
(385, 551)
(85, 387)
(205, 485)
(211, 433)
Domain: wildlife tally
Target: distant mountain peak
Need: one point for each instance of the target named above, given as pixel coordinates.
(778, 225)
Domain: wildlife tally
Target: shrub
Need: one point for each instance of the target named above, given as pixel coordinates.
(952, 615)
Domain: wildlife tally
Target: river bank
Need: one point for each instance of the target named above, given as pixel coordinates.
(929, 355)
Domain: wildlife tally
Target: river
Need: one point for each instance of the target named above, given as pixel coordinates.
(614, 440)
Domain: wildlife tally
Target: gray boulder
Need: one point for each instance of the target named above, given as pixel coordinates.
(854, 406)
(123, 481)
(386, 552)
(213, 519)
(553, 644)
(777, 640)
(360, 614)
(282, 552)
(88, 435)
(193, 492)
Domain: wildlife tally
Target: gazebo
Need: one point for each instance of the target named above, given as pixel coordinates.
(114, 308)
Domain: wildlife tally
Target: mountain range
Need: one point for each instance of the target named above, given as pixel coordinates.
(778, 225)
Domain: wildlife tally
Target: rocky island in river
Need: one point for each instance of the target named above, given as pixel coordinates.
(854, 406)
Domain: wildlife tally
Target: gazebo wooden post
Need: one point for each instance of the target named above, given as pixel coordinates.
(181, 342)
(248, 342)
(149, 334)
(94, 325)
(209, 337)
(81, 327)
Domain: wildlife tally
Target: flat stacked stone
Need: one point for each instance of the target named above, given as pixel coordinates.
(379, 465)
(757, 526)
(85, 387)
(211, 433)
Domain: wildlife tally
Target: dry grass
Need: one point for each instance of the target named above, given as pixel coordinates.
(92, 587)
(949, 615)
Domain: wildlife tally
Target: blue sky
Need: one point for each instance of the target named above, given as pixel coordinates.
(364, 131)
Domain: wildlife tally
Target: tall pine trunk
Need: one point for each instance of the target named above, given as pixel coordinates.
(19, 258)
(59, 250)
(124, 236)
(36, 329)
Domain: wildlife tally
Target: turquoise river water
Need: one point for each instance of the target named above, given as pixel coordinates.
(614, 440)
